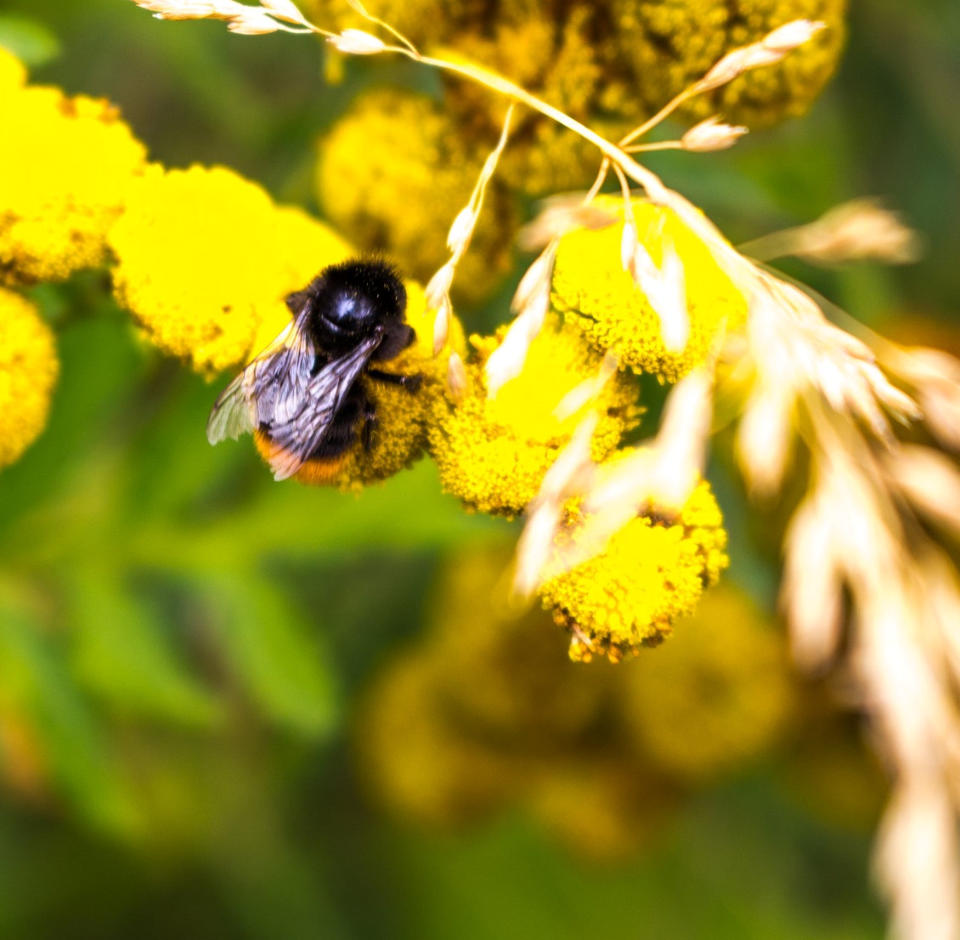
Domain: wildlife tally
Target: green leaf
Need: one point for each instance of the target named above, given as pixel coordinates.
(73, 742)
(278, 658)
(121, 653)
(294, 522)
(30, 41)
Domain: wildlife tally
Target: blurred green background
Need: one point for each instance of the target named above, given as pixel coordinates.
(183, 643)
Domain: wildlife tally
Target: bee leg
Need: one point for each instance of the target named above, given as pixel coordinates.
(410, 382)
(396, 339)
(369, 423)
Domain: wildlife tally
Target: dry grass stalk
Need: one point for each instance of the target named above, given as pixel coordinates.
(456, 376)
(458, 241)
(857, 230)
(659, 476)
(579, 397)
(559, 215)
(245, 20)
(711, 134)
(531, 301)
(570, 473)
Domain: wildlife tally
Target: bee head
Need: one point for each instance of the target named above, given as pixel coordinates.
(350, 300)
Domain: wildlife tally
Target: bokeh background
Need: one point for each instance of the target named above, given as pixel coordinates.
(240, 709)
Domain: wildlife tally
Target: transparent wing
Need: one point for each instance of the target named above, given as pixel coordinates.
(271, 387)
(297, 438)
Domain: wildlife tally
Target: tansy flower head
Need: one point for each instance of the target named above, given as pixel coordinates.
(204, 259)
(392, 172)
(563, 53)
(28, 372)
(594, 291)
(416, 759)
(507, 675)
(603, 807)
(714, 696)
(65, 171)
(400, 435)
(422, 21)
(493, 453)
(651, 572)
(668, 46)
(12, 72)
(829, 764)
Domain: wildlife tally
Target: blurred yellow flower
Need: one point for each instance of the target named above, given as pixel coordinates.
(591, 287)
(668, 46)
(830, 765)
(65, 170)
(493, 453)
(718, 693)
(205, 259)
(400, 435)
(603, 806)
(422, 21)
(510, 674)
(652, 572)
(563, 54)
(415, 760)
(394, 172)
(13, 74)
(28, 373)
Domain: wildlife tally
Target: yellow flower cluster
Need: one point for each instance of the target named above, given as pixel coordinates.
(715, 695)
(12, 73)
(392, 175)
(562, 56)
(668, 46)
(829, 765)
(493, 453)
(415, 757)
(28, 373)
(422, 21)
(204, 259)
(65, 171)
(593, 290)
(652, 572)
(487, 711)
(609, 63)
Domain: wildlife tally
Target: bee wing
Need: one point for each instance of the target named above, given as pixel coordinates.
(300, 436)
(271, 387)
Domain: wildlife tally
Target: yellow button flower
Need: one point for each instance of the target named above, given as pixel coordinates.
(392, 175)
(602, 806)
(28, 373)
(493, 453)
(400, 435)
(414, 757)
(714, 696)
(13, 75)
(65, 169)
(422, 21)
(508, 675)
(651, 572)
(205, 259)
(593, 290)
(668, 46)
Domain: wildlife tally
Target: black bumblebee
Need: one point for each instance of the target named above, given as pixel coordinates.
(304, 397)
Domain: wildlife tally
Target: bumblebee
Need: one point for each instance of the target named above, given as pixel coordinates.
(305, 398)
